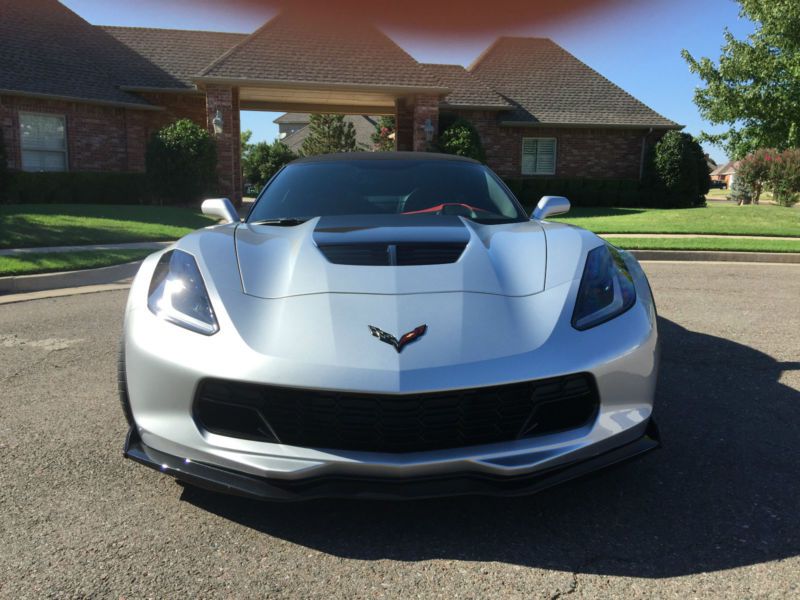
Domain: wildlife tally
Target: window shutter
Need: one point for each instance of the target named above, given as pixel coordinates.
(546, 157)
(538, 156)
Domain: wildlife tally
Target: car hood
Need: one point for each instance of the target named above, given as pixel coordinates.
(279, 262)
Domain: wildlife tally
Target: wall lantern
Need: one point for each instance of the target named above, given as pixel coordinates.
(218, 122)
(428, 129)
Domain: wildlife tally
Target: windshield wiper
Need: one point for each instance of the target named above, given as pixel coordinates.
(281, 222)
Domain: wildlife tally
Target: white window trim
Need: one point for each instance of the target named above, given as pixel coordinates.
(555, 156)
(22, 148)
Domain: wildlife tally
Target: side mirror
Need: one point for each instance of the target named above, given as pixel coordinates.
(220, 207)
(549, 206)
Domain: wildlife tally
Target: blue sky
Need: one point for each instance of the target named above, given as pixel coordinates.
(636, 45)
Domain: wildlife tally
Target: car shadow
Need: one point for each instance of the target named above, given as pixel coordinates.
(723, 491)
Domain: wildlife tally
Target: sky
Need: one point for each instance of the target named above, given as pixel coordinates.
(637, 45)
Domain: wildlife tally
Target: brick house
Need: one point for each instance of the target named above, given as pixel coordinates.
(79, 97)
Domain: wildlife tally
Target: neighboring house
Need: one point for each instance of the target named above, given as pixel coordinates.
(293, 129)
(80, 97)
(725, 173)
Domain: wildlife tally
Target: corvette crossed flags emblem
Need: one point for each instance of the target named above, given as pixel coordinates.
(404, 340)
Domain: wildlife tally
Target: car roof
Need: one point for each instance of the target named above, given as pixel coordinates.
(351, 156)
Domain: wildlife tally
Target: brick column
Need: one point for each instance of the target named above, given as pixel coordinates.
(9, 129)
(425, 108)
(404, 125)
(226, 100)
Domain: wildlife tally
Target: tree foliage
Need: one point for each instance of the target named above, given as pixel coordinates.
(329, 134)
(263, 160)
(754, 88)
(784, 176)
(753, 172)
(181, 162)
(462, 139)
(678, 172)
(384, 136)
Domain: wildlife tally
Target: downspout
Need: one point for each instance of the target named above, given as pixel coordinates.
(644, 152)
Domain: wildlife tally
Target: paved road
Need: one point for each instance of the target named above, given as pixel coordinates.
(716, 513)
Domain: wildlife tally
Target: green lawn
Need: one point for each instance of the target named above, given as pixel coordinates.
(720, 219)
(33, 225)
(29, 264)
(700, 243)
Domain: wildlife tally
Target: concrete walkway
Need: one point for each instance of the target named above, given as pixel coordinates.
(90, 248)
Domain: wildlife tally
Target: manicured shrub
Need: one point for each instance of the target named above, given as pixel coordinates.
(263, 160)
(78, 188)
(677, 173)
(181, 163)
(462, 139)
(581, 191)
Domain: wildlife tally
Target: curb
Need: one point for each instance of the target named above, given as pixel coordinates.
(786, 258)
(50, 281)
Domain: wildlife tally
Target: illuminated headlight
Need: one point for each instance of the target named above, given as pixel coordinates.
(178, 294)
(606, 291)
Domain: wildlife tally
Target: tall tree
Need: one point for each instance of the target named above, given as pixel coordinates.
(754, 88)
(328, 134)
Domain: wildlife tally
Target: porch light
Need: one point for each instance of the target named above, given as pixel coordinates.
(428, 129)
(218, 122)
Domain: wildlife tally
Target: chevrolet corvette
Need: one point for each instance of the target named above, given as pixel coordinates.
(387, 325)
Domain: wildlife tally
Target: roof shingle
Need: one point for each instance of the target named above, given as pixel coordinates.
(295, 49)
(46, 49)
(550, 86)
(179, 54)
(467, 89)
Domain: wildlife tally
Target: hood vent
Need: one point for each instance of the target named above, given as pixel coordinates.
(391, 255)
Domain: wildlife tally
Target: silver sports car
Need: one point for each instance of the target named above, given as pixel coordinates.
(388, 325)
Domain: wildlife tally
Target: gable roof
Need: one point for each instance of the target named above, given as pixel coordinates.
(467, 89)
(293, 118)
(293, 48)
(179, 54)
(47, 50)
(728, 168)
(550, 86)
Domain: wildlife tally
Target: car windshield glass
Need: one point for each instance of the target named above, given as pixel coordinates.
(403, 187)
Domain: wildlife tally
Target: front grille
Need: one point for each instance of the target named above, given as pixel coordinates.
(385, 255)
(384, 423)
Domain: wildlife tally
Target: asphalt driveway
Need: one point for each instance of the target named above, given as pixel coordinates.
(715, 513)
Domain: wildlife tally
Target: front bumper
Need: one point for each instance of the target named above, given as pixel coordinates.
(380, 488)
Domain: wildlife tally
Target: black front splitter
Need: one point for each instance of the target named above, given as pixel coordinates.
(342, 486)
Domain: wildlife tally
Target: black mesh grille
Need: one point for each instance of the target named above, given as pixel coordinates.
(409, 423)
(384, 255)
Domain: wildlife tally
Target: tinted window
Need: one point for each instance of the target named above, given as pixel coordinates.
(357, 187)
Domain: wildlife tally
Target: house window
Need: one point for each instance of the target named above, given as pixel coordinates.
(44, 142)
(538, 156)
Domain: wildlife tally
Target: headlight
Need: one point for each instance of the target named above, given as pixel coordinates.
(606, 291)
(178, 294)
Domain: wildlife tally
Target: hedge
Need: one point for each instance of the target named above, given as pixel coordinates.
(77, 188)
(592, 192)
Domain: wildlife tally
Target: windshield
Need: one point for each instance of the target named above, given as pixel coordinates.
(369, 187)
